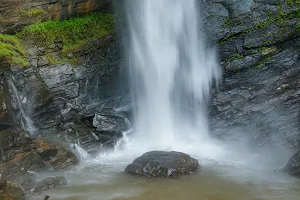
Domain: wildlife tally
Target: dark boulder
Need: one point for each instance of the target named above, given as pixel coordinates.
(50, 183)
(64, 159)
(109, 126)
(109, 123)
(163, 164)
(292, 167)
(45, 149)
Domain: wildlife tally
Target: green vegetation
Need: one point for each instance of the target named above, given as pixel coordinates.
(263, 62)
(236, 56)
(32, 12)
(298, 28)
(227, 22)
(12, 51)
(72, 32)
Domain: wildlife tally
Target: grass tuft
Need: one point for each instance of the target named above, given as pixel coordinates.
(72, 31)
(12, 51)
(32, 12)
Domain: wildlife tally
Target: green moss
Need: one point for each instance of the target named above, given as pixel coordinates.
(72, 31)
(12, 51)
(228, 38)
(279, 20)
(227, 22)
(261, 65)
(32, 12)
(236, 56)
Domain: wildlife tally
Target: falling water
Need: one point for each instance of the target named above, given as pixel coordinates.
(172, 72)
(83, 155)
(27, 123)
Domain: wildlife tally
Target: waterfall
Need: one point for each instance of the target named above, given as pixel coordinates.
(26, 121)
(83, 155)
(171, 73)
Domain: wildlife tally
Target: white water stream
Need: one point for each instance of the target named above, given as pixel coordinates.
(26, 121)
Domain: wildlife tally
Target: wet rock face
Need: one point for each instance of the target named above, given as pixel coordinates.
(236, 7)
(258, 98)
(62, 99)
(292, 167)
(261, 104)
(163, 164)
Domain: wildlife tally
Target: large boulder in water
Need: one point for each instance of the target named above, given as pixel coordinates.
(292, 167)
(163, 164)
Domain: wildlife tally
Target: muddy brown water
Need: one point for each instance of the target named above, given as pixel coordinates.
(214, 181)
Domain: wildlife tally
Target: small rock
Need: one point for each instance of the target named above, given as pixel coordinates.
(45, 149)
(70, 55)
(50, 183)
(52, 46)
(41, 51)
(64, 159)
(43, 61)
(292, 167)
(34, 61)
(109, 123)
(59, 45)
(162, 164)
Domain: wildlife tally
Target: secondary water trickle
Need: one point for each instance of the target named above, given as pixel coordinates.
(26, 121)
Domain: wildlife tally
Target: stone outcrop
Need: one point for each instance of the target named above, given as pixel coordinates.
(163, 164)
(18, 13)
(292, 167)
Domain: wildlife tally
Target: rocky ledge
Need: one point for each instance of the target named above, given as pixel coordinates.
(163, 164)
(24, 157)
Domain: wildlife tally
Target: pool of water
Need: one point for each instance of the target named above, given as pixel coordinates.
(257, 179)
